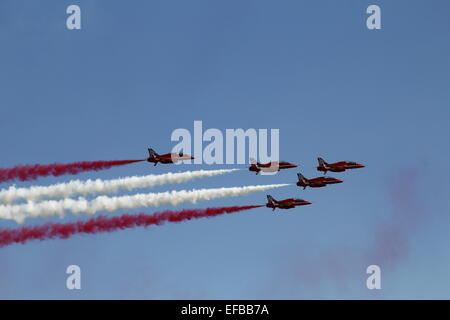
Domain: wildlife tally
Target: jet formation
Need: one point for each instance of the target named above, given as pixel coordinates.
(318, 182)
(274, 166)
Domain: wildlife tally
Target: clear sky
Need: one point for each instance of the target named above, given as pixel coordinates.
(138, 70)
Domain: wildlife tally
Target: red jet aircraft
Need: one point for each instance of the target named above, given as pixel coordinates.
(285, 204)
(167, 158)
(270, 166)
(337, 166)
(316, 182)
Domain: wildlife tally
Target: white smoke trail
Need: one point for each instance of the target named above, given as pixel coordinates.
(103, 203)
(98, 186)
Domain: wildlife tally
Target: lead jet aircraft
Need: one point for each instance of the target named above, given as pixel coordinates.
(285, 204)
(272, 166)
(316, 182)
(167, 157)
(337, 166)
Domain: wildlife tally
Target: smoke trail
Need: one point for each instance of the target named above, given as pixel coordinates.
(340, 264)
(32, 172)
(103, 203)
(393, 238)
(108, 224)
(65, 190)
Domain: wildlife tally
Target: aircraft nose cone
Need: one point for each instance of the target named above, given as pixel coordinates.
(307, 202)
(361, 166)
(339, 181)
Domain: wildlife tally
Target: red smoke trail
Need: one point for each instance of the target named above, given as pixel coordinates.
(32, 172)
(108, 224)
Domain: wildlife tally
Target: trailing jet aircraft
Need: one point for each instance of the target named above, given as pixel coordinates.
(167, 157)
(272, 166)
(316, 182)
(285, 204)
(337, 166)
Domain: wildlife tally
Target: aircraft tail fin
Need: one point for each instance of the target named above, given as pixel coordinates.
(301, 177)
(152, 152)
(321, 162)
(270, 199)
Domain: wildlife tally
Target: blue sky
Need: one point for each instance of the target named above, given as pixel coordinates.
(137, 71)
